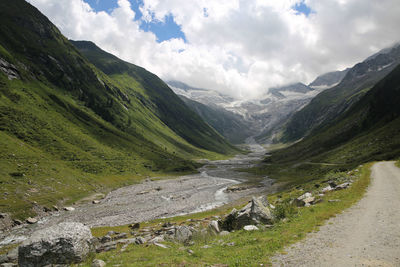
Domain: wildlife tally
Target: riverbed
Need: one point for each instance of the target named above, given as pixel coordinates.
(154, 199)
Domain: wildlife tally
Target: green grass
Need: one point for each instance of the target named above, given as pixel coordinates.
(251, 248)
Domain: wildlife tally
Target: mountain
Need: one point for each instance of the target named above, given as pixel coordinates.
(329, 79)
(296, 87)
(169, 108)
(368, 131)
(69, 129)
(333, 102)
(230, 125)
(263, 117)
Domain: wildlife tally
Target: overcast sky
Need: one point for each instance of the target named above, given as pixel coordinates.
(239, 47)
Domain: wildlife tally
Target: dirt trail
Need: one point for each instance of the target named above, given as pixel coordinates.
(368, 234)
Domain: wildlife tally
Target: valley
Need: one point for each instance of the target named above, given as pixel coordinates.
(104, 163)
(157, 198)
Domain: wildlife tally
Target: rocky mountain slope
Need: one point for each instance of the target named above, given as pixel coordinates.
(368, 131)
(80, 128)
(263, 117)
(328, 80)
(337, 100)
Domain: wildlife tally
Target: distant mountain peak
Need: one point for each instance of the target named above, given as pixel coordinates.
(329, 79)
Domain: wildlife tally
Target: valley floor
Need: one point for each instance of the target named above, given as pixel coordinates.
(155, 199)
(368, 234)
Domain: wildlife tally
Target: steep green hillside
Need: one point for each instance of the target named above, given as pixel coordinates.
(169, 108)
(230, 125)
(68, 130)
(333, 102)
(368, 131)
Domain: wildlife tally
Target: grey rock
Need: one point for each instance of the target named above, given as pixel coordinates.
(140, 240)
(106, 247)
(17, 222)
(5, 221)
(157, 239)
(255, 212)
(214, 226)
(65, 243)
(96, 202)
(327, 189)
(110, 233)
(12, 256)
(46, 209)
(342, 186)
(105, 239)
(303, 200)
(8, 264)
(31, 220)
(224, 233)
(250, 228)
(69, 208)
(120, 236)
(134, 226)
(160, 245)
(183, 234)
(3, 258)
(9, 69)
(98, 263)
(332, 184)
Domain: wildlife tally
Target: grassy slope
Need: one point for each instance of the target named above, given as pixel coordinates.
(230, 125)
(251, 248)
(68, 130)
(169, 108)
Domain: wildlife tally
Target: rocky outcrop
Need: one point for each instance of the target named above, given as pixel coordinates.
(9, 69)
(183, 234)
(65, 243)
(256, 212)
(304, 200)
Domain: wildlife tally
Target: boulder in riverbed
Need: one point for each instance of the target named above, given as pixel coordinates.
(65, 243)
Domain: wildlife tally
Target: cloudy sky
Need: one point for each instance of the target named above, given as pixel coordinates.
(238, 47)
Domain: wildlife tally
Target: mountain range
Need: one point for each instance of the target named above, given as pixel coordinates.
(262, 118)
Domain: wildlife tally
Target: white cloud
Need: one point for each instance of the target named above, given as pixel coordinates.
(242, 47)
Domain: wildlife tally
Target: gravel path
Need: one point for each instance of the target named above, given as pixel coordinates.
(367, 234)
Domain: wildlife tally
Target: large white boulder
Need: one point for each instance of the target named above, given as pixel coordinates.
(65, 243)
